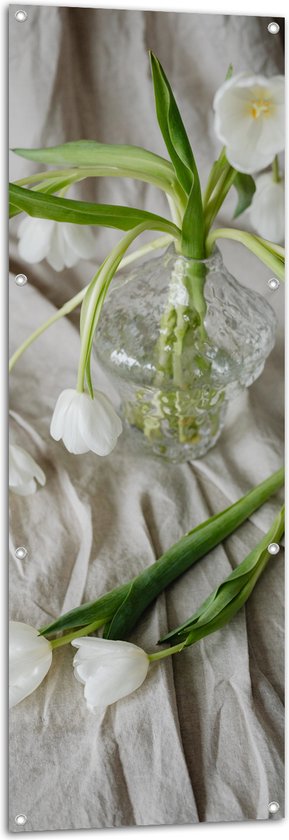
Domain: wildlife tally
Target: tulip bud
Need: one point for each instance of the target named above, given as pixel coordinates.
(23, 471)
(85, 424)
(108, 670)
(30, 657)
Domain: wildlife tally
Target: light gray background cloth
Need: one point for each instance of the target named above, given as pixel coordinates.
(202, 739)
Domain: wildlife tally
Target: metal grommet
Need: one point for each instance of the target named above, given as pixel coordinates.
(273, 27)
(21, 15)
(21, 279)
(273, 283)
(21, 552)
(273, 807)
(273, 548)
(21, 819)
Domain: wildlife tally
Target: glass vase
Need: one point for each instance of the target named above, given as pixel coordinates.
(178, 338)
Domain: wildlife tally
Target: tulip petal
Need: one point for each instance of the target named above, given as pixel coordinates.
(100, 426)
(62, 404)
(249, 120)
(70, 258)
(241, 162)
(30, 657)
(71, 435)
(35, 239)
(94, 645)
(273, 132)
(267, 209)
(65, 422)
(24, 489)
(26, 464)
(85, 424)
(22, 471)
(81, 240)
(55, 256)
(112, 684)
(109, 670)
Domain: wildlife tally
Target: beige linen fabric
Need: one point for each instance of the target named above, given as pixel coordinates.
(202, 739)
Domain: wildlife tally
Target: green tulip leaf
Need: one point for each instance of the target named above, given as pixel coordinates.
(231, 594)
(181, 155)
(59, 209)
(245, 186)
(107, 159)
(126, 603)
(172, 127)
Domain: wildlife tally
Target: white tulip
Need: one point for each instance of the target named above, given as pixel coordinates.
(108, 670)
(249, 120)
(30, 657)
(23, 472)
(85, 424)
(267, 211)
(61, 244)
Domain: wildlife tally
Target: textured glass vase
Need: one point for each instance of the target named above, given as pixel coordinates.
(178, 338)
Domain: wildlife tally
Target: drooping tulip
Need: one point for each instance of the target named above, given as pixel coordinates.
(85, 424)
(61, 244)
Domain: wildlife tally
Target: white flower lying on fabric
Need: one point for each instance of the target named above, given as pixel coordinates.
(85, 424)
(249, 120)
(109, 670)
(60, 244)
(267, 208)
(30, 657)
(23, 472)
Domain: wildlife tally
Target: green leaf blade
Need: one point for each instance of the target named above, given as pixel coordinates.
(45, 206)
(180, 557)
(225, 601)
(192, 244)
(246, 187)
(181, 155)
(174, 562)
(117, 158)
(172, 127)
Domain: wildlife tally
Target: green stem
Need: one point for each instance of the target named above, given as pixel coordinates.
(277, 250)
(128, 601)
(214, 175)
(253, 243)
(70, 305)
(162, 654)
(166, 181)
(228, 598)
(221, 191)
(275, 170)
(180, 557)
(98, 288)
(85, 631)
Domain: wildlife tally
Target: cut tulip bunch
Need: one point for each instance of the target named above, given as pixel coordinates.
(110, 667)
(249, 121)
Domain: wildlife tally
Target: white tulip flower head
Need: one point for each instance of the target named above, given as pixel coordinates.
(249, 120)
(62, 245)
(24, 472)
(109, 670)
(30, 657)
(267, 208)
(85, 424)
